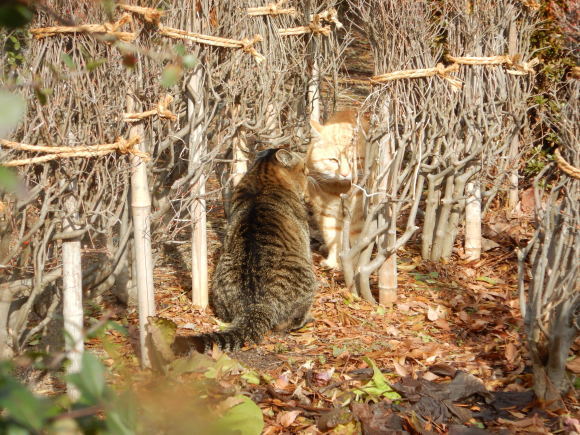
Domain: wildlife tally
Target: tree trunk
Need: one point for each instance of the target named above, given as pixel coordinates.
(72, 294)
(473, 222)
(141, 208)
(197, 148)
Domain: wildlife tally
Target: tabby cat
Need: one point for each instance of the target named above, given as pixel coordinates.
(264, 278)
(334, 159)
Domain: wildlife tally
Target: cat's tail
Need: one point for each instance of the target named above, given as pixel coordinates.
(250, 326)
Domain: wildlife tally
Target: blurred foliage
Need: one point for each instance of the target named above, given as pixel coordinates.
(14, 13)
(196, 399)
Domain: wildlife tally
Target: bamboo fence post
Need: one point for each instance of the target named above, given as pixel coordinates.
(473, 221)
(387, 273)
(72, 294)
(197, 148)
(141, 209)
(513, 192)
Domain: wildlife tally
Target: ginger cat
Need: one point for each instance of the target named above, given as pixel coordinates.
(334, 159)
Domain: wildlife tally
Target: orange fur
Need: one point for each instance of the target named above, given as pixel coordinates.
(334, 159)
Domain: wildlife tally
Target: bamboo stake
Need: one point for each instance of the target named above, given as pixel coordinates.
(72, 294)
(473, 222)
(141, 209)
(197, 149)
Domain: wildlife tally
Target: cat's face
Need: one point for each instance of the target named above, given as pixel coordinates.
(333, 155)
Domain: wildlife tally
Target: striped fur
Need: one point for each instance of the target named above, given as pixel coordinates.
(264, 279)
(334, 160)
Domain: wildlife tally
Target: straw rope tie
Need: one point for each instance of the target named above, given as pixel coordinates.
(149, 14)
(121, 145)
(566, 167)
(161, 110)
(272, 9)
(107, 28)
(514, 63)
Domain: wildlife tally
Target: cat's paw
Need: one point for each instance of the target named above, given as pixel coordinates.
(331, 263)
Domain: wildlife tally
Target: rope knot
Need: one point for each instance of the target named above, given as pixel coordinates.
(247, 46)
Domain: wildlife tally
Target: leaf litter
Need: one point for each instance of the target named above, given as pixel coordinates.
(448, 357)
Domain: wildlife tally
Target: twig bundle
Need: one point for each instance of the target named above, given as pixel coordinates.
(111, 29)
(122, 145)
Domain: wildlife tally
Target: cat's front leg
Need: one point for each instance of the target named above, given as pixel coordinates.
(333, 259)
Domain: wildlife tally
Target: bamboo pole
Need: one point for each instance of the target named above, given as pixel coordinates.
(473, 222)
(141, 209)
(387, 273)
(72, 294)
(197, 148)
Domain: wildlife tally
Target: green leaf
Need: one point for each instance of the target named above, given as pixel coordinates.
(171, 75)
(377, 387)
(23, 406)
(196, 362)
(14, 14)
(42, 95)
(180, 49)
(95, 63)
(16, 430)
(12, 109)
(244, 418)
(223, 365)
(121, 415)
(8, 180)
(68, 61)
(251, 377)
(189, 61)
(487, 280)
(90, 380)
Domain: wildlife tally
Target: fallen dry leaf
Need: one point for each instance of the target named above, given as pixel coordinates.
(287, 418)
(574, 365)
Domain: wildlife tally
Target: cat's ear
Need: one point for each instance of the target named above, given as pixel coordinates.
(316, 128)
(286, 158)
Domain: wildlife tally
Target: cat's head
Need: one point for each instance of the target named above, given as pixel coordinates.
(336, 150)
(286, 167)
